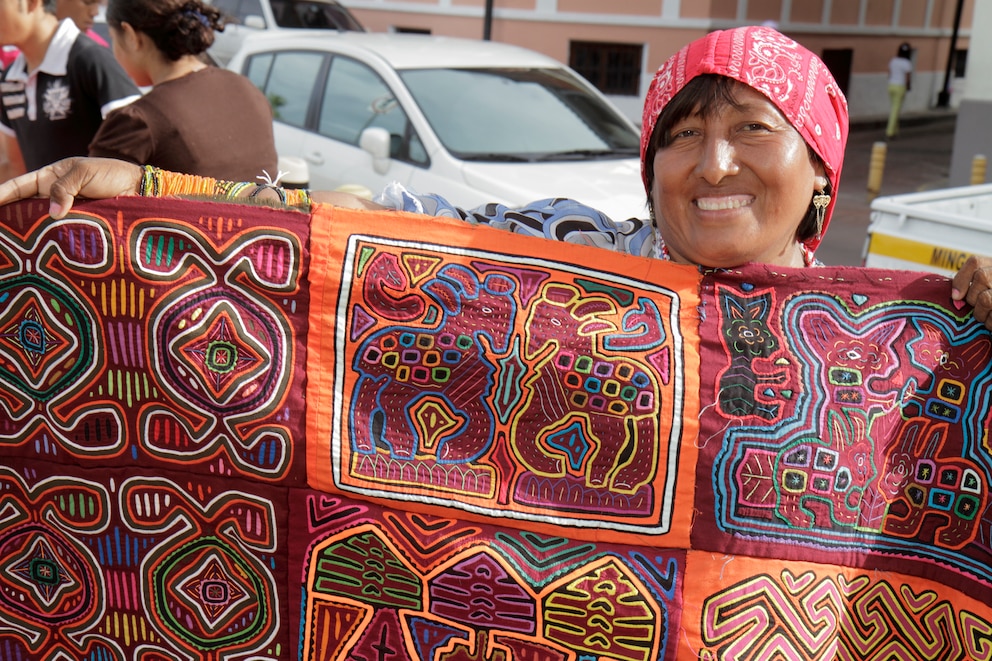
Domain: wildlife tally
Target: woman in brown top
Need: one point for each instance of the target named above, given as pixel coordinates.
(196, 118)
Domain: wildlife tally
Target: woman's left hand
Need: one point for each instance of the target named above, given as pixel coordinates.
(63, 181)
(973, 283)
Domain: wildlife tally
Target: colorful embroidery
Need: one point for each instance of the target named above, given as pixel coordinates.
(880, 441)
(515, 388)
(237, 432)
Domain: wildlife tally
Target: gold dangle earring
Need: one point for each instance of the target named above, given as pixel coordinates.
(820, 203)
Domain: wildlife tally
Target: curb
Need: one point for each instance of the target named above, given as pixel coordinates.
(906, 119)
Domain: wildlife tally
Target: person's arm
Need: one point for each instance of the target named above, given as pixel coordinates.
(65, 180)
(557, 219)
(99, 178)
(973, 283)
(346, 200)
(124, 135)
(13, 163)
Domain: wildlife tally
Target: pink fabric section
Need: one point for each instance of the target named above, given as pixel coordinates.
(792, 77)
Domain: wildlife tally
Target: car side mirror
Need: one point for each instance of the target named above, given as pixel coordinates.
(376, 141)
(254, 21)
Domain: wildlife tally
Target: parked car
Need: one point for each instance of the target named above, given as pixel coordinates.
(474, 121)
(248, 16)
(933, 230)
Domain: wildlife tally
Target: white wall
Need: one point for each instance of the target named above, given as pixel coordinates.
(868, 95)
(973, 131)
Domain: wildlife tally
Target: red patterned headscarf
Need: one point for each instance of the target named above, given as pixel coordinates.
(793, 78)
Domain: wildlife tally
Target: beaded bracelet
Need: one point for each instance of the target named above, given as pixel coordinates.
(156, 182)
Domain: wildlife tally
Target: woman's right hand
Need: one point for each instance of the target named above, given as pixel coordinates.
(973, 283)
(65, 180)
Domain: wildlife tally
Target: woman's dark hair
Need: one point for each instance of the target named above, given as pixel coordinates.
(705, 95)
(905, 50)
(178, 27)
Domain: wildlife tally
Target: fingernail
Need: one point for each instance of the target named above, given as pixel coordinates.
(54, 209)
(956, 294)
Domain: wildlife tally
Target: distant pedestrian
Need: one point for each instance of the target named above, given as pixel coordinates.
(900, 79)
(84, 13)
(57, 91)
(196, 119)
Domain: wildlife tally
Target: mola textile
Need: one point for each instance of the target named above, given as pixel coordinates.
(237, 432)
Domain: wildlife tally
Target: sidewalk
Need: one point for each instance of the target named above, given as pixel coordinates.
(920, 159)
(906, 120)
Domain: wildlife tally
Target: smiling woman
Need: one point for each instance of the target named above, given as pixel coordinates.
(732, 178)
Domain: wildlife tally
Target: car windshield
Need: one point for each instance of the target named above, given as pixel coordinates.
(314, 14)
(519, 115)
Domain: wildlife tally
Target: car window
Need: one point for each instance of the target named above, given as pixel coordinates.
(356, 98)
(236, 10)
(313, 14)
(249, 8)
(532, 114)
(288, 80)
(285, 14)
(229, 8)
(342, 19)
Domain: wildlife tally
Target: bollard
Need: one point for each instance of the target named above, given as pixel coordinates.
(978, 165)
(875, 169)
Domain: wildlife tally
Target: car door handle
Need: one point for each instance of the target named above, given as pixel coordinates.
(314, 157)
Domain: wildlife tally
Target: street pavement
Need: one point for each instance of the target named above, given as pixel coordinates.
(919, 159)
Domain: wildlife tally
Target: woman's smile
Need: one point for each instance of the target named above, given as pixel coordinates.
(723, 203)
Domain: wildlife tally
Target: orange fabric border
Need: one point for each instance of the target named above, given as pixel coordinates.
(804, 610)
(673, 475)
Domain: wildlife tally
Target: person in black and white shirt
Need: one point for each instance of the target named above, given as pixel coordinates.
(54, 96)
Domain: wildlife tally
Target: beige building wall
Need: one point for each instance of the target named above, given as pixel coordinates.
(871, 29)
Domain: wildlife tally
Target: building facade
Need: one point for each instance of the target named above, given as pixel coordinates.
(972, 131)
(619, 45)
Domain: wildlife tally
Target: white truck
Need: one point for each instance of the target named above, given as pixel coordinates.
(932, 231)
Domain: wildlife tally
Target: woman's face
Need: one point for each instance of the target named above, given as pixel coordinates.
(733, 187)
(124, 42)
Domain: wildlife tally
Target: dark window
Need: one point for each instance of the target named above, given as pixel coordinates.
(960, 62)
(839, 61)
(611, 68)
(319, 15)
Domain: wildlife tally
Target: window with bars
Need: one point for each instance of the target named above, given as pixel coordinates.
(960, 62)
(611, 68)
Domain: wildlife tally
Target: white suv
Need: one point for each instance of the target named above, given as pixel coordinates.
(245, 17)
(474, 121)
